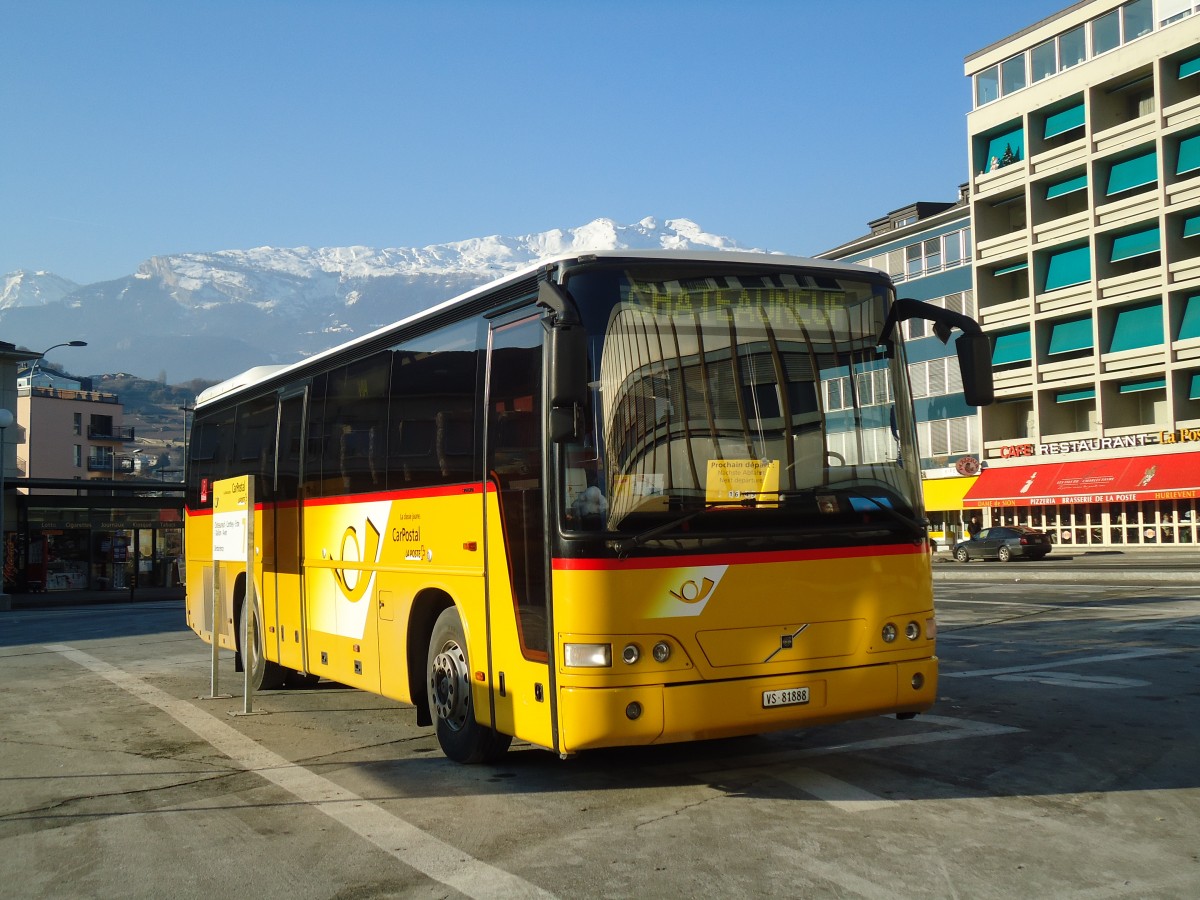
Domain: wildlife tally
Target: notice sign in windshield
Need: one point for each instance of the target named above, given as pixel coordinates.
(741, 479)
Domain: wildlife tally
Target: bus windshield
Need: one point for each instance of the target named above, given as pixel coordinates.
(761, 394)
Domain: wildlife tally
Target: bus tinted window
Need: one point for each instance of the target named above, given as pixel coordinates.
(432, 437)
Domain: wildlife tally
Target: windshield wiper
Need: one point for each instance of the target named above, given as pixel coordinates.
(650, 534)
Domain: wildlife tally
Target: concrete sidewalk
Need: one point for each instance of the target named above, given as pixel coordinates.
(1133, 566)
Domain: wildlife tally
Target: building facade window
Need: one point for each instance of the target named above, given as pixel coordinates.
(1107, 32)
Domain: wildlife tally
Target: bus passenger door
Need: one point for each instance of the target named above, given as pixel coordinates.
(518, 615)
(289, 585)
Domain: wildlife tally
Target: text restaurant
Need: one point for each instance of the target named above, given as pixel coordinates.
(1141, 489)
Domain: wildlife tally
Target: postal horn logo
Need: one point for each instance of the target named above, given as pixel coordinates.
(351, 581)
(690, 592)
(1148, 476)
(687, 593)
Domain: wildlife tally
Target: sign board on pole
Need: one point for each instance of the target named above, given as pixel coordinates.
(232, 507)
(233, 541)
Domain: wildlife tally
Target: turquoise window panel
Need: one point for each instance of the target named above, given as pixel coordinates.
(1150, 384)
(1065, 120)
(1133, 173)
(1000, 144)
(1071, 335)
(1189, 155)
(1189, 67)
(1075, 396)
(1190, 326)
(1194, 390)
(1191, 226)
(1137, 326)
(1011, 348)
(1070, 186)
(1067, 267)
(1008, 270)
(1136, 243)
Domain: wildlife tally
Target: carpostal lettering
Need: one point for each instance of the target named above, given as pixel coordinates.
(406, 535)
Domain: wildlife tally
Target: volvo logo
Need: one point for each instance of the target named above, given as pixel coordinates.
(786, 641)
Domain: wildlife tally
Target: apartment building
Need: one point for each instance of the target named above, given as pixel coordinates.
(927, 249)
(1084, 151)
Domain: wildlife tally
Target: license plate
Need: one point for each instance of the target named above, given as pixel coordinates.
(786, 697)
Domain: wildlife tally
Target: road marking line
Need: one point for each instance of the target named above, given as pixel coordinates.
(402, 840)
(1070, 679)
(1148, 609)
(1063, 663)
(840, 794)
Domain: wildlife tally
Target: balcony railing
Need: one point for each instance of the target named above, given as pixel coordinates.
(114, 465)
(118, 433)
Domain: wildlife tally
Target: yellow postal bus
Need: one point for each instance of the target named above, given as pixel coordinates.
(619, 498)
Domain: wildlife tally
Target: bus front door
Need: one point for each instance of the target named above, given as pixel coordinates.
(518, 621)
(289, 586)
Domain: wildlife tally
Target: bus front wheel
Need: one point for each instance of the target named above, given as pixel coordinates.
(462, 738)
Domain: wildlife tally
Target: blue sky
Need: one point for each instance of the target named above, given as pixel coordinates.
(134, 129)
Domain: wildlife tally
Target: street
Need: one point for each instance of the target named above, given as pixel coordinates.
(1060, 761)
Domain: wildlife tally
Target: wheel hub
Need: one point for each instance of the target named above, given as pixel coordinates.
(450, 686)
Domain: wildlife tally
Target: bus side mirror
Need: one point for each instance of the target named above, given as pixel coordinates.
(975, 363)
(566, 369)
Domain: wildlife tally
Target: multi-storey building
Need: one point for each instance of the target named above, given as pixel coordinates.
(1084, 150)
(926, 248)
(72, 431)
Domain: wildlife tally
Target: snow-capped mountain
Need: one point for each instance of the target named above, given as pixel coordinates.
(23, 288)
(212, 315)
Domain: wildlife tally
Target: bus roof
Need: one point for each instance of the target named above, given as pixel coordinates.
(259, 374)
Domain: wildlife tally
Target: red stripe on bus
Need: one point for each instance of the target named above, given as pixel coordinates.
(454, 490)
(729, 559)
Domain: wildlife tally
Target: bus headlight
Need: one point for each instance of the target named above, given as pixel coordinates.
(587, 656)
(889, 633)
(912, 631)
(631, 654)
(661, 651)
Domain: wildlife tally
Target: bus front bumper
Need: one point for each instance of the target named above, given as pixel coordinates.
(661, 714)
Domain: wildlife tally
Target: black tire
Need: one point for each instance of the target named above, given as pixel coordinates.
(1004, 554)
(961, 554)
(264, 674)
(448, 683)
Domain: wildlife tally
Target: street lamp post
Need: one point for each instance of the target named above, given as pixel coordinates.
(34, 368)
(6, 419)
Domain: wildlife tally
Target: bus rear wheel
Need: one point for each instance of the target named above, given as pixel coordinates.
(264, 674)
(462, 738)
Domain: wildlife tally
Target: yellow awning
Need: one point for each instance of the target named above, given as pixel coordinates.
(944, 494)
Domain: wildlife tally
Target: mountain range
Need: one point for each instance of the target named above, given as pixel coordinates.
(212, 315)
